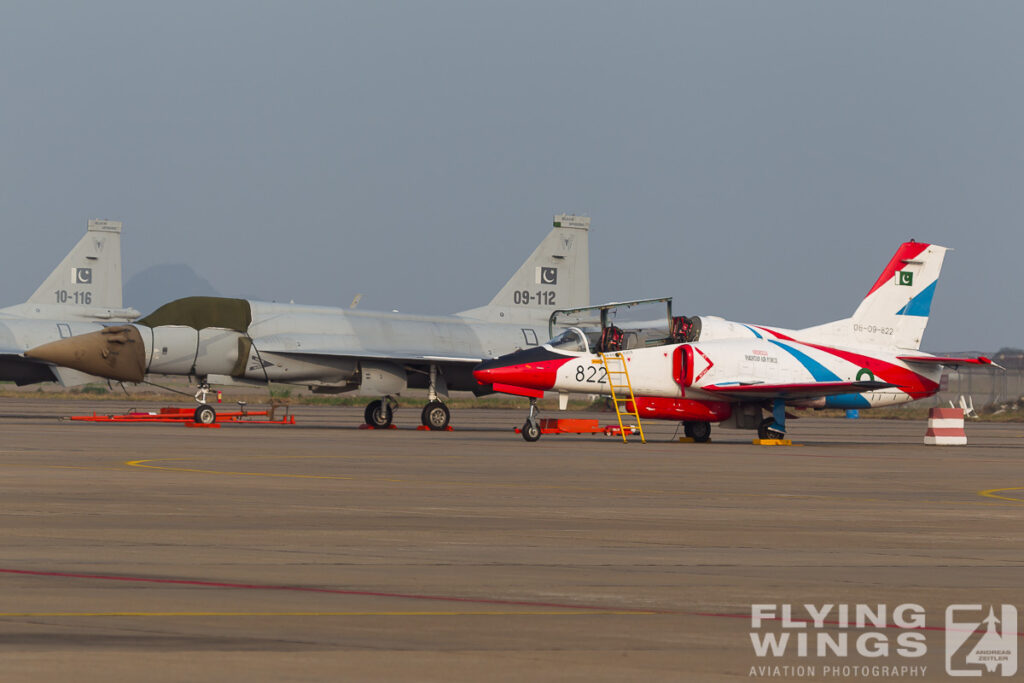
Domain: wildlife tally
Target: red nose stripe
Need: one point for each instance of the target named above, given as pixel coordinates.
(536, 375)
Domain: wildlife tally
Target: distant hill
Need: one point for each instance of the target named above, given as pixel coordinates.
(151, 288)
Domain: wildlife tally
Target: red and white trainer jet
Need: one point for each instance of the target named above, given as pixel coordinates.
(730, 372)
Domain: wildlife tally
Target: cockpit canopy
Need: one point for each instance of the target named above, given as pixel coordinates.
(613, 338)
(572, 340)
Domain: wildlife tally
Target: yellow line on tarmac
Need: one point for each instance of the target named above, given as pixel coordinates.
(142, 463)
(534, 613)
(994, 493)
(547, 487)
(60, 467)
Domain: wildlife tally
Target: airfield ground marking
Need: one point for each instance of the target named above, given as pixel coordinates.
(994, 493)
(575, 610)
(485, 613)
(145, 464)
(198, 583)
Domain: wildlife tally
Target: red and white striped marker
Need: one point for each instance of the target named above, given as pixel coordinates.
(945, 427)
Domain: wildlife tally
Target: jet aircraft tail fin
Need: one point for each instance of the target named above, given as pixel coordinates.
(88, 280)
(895, 311)
(556, 275)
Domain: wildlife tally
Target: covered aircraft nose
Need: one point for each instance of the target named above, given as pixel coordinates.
(113, 352)
(529, 368)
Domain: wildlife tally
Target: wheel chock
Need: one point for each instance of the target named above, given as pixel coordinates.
(772, 442)
(366, 426)
(690, 439)
(425, 428)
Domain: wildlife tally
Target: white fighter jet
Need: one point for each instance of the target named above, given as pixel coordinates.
(226, 341)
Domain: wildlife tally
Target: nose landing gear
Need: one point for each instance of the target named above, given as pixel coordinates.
(205, 414)
(531, 428)
(435, 416)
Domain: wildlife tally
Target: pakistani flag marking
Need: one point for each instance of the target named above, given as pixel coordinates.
(906, 278)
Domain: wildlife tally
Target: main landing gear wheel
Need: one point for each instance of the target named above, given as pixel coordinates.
(765, 431)
(205, 415)
(378, 414)
(531, 431)
(698, 431)
(435, 415)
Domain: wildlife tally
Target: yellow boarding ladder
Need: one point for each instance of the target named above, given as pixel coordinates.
(617, 373)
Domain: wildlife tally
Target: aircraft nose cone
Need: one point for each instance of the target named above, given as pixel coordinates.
(113, 352)
(530, 368)
(489, 371)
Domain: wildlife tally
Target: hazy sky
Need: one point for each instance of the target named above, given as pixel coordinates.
(756, 160)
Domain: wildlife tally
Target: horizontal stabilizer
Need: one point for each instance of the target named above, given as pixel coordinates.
(948, 361)
(797, 390)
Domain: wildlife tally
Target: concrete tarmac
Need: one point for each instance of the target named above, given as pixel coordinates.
(323, 552)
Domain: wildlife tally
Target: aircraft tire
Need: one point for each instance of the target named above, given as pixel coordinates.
(205, 415)
(435, 415)
(699, 431)
(765, 431)
(531, 431)
(378, 414)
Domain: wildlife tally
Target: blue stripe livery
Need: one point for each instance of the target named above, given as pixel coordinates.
(847, 401)
(817, 370)
(920, 305)
(753, 330)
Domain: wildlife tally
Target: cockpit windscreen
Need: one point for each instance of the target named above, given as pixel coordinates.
(571, 340)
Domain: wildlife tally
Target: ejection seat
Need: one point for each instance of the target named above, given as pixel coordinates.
(611, 340)
(685, 329)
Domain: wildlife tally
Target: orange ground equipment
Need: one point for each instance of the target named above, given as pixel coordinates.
(579, 426)
(187, 416)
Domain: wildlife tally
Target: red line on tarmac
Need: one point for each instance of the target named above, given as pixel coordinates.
(442, 598)
(334, 591)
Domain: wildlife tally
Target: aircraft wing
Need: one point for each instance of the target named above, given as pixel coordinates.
(948, 361)
(325, 345)
(402, 356)
(794, 391)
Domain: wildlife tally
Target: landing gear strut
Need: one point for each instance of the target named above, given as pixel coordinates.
(698, 431)
(205, 414)
(774, 427)
(435, 414)
(531, 428)
(379, 413)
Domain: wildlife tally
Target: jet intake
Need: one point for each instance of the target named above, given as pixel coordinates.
(113, 352)
(381, 378)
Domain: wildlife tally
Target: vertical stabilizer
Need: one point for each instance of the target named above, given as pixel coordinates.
(556, 275)
(895, 311)
(89, 277)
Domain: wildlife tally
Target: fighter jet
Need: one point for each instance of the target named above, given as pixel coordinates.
(713, 370)
(332, 350)
(81, 294)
